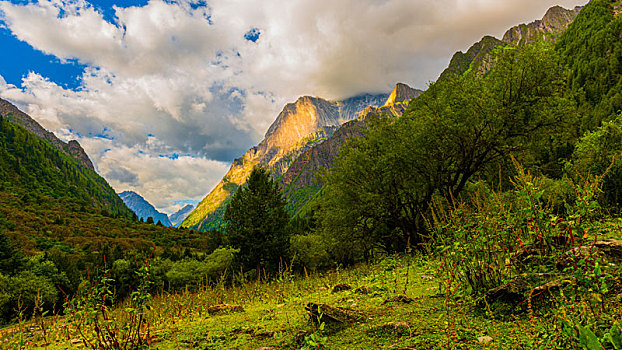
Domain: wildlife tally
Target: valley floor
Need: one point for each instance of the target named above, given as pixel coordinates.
(398, 303)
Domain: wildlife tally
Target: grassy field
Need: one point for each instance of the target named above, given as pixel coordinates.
(400, 302)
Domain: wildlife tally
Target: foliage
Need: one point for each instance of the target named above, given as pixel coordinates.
(592, 49)
(189, 272)
(257, 223)
(460, 128)
(600, 152)
(310, 252)
(99, 327)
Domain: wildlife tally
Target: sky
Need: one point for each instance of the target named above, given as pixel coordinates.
(164, 94)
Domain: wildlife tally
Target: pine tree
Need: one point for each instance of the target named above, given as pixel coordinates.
(257, 223)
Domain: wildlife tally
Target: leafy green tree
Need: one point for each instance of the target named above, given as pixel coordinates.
(257, 223)
(11, 259)
(383, 183)
(600, 152)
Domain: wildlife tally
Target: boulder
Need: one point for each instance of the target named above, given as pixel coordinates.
(319, 313)
(611, 248)
(224, 309)
(341, 287)
(395, 328)
(399, 299)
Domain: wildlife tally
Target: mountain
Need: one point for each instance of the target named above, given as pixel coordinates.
(178, 217)
(298, 127)
(549, 28)
(73, 148)
(143, 209)
(306, 136)
(301, 181)
(478, 60)
(34, 163)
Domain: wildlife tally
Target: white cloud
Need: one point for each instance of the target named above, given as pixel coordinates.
(185, 73)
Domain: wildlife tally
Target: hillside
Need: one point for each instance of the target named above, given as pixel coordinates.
(72, 148)
(32, 166)
(297, 128)
(60, 221)
(143, 209)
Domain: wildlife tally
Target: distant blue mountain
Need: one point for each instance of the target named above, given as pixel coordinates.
(142, 208)
(178, 217)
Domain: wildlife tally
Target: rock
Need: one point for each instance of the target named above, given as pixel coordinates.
(611, 248)
(399, 299)
(363, 290)
(552, 285)
(341, 287)
(484, 339)
(224, 308)
(517, 290)
(264, 335)
(401, 93)
(395, 328)
(522, 287)
(332, 315)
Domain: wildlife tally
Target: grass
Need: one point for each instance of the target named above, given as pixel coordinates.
(275, 315)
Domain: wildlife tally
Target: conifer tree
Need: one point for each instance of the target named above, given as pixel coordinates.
(257, 223)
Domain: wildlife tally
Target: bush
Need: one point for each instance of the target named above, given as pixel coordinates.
(192, 272)
(310, 251)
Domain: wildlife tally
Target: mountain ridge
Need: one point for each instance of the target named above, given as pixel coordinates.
(298, 127)
(478, 59)
(72, 148)
(178, 217)
(143, 209)
(301, 181)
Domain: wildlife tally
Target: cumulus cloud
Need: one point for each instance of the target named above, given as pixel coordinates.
(206, 80)
(163, 179)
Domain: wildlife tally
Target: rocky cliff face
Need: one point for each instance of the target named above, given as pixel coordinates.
(301, 181)
(478, 59)
(73, 148)
(142, 208)
(298, 127)
(554, 22)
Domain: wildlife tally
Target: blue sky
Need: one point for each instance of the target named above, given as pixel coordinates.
(20, 58)
(164, 94)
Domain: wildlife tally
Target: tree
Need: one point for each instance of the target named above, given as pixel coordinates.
(257, 223)
(382, 184)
